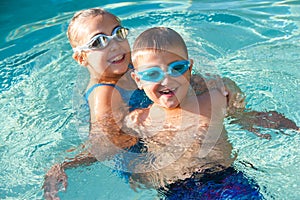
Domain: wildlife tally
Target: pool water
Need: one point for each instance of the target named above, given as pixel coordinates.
(255, 43)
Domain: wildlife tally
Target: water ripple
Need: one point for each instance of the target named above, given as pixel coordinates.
(255, 43)
(39, 25)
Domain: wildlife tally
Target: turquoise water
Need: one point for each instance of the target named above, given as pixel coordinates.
(255, 43)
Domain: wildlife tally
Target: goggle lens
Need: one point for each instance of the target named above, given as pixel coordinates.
(101, 41)
(121, 33)
(156, 74)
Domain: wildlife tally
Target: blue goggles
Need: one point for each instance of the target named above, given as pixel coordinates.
(101, 41)
(156, 74)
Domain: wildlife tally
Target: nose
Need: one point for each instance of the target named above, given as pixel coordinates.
(113, 45)
(165, 80)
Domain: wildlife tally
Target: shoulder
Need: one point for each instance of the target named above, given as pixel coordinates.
(212, 101)
(104, 96)
(101, 90)
(102, 100)
(212, 95)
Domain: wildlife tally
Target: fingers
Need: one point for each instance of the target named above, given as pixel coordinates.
(51, 196)
(224, 91)
(54, 178)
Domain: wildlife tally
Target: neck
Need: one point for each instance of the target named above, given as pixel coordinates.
(158, 108)
(187, 104)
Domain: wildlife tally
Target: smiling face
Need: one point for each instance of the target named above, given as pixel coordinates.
(168, 92)
(109, 62)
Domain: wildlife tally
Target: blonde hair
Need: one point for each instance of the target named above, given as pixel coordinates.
(159, 39)
(79, 18)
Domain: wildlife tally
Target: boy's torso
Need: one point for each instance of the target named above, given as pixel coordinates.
(180, 141)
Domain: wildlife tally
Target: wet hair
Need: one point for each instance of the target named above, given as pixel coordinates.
(159, 39)
(79, 18)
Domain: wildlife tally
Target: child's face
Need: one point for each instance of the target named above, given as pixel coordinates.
(168, 90)
(114, 58)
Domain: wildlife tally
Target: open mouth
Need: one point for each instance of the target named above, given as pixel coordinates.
(118, 59)
(167, 92)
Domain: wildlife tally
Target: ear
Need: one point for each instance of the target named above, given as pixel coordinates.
(191, 64)
(137, 80)
(80, 58)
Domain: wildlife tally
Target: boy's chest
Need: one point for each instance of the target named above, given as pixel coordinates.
(180, 129)
(175, 120)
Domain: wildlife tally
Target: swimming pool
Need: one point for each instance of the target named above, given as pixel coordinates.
(255, 43)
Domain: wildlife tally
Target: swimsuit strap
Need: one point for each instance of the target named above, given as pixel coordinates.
(130, 66)
(90, 90)
(125, 94)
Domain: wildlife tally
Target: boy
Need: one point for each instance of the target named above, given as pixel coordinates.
(189, 139)
(186, 152)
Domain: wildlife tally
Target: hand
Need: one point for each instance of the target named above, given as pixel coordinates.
(235, 97)
(55, 178)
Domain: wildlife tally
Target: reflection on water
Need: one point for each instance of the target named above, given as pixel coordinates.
(255, 43)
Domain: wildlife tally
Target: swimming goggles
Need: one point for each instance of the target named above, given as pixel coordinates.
(101, 41)
(156, 74)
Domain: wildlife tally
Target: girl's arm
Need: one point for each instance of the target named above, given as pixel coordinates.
(105, 139)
